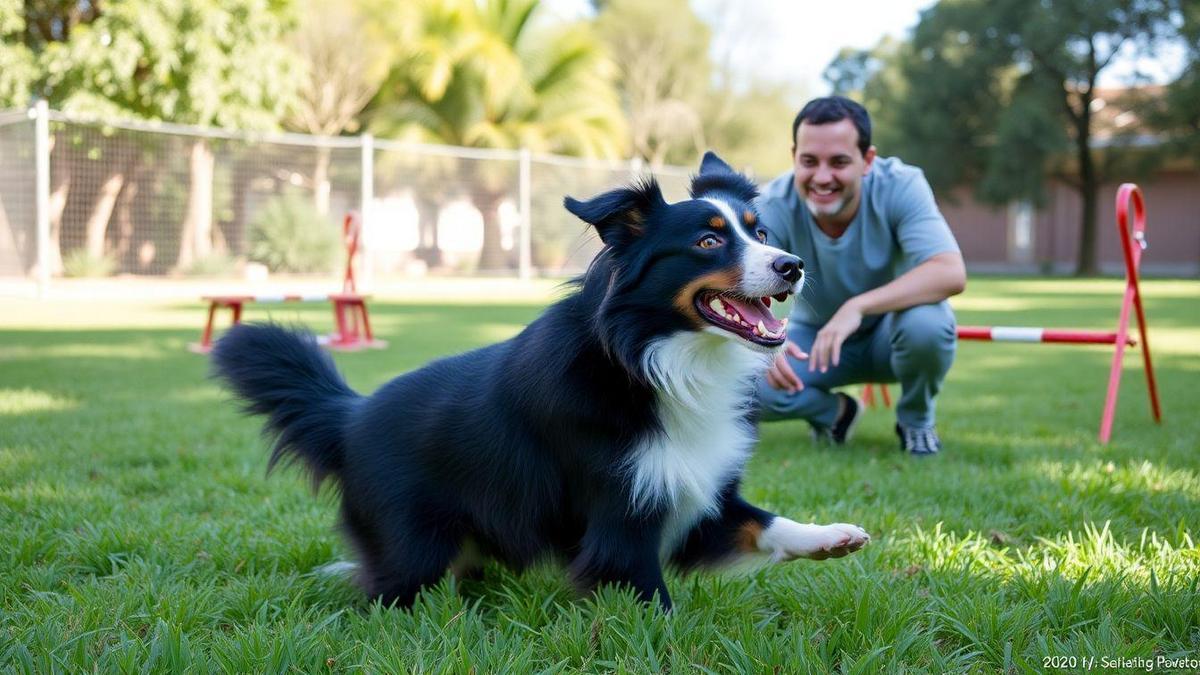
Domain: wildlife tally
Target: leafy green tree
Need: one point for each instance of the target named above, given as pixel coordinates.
(344, 64)
(746, 118)
(999, 95)
(26, 29)
(661, 50)
(750, 128)
(482, 75)
(873, 77)
(1175, 114)
(17, 68)
(202, 62)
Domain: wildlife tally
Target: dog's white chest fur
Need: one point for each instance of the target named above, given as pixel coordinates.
(705, 387)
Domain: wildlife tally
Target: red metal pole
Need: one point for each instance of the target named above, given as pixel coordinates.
(366, 323)
(1127, 193)
(339, 316)
(351, 228)
(206, 337)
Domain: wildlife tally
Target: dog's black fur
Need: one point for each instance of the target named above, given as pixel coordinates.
(521, 447)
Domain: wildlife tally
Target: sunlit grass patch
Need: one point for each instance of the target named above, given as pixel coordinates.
(133, 350)
(26, 401)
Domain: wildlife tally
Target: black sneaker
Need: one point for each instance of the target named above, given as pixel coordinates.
(919, 441)
(843, 426)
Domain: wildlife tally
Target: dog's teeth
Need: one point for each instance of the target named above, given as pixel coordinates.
(762, 329)
(717, 306)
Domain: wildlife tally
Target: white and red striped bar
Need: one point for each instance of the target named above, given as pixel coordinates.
(268, 298)
(353, 327)
(1023, 334)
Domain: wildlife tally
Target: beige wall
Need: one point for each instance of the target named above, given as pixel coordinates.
(1172, 229)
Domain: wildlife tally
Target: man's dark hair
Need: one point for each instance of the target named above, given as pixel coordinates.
(835, 109)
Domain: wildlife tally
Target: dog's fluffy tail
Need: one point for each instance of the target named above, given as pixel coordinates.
(287, 377)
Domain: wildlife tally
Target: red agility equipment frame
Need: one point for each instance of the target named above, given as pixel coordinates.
(352, 323)
(1129, 235)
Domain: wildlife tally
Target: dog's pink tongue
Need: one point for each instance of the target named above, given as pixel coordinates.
(755, 312)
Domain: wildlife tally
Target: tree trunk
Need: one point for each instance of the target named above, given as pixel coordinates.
(1089, 189)
(492, 258)
(196, 237)
(11, 260)
(321, 187)
(60, 180)
(96, 230)
(1089, 264)
(126, 255)
(427, 242)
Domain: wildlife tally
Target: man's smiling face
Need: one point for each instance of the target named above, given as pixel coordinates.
(829, 169)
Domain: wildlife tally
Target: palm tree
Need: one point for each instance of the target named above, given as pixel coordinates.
(480, 74)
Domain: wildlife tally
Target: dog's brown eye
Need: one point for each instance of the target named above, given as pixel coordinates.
(762, 236)
(709, 241)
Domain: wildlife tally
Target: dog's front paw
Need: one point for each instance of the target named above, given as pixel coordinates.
(842, 539)
(787, 540)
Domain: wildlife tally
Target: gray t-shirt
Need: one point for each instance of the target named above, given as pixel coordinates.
(897, 227)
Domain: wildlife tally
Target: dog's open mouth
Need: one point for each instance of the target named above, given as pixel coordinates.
(748, 318)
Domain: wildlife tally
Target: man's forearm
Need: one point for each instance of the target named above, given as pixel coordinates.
(932, 281)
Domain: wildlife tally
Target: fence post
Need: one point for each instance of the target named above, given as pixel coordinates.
(525, 265)
(41, 148)
(366, 268)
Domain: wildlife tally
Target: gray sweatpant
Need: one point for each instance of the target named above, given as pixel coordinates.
(914, 347)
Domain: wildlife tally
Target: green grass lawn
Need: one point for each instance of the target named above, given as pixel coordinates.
(137, 530)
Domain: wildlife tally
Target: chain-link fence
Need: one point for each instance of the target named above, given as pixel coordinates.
(18, 211)
(173, 201)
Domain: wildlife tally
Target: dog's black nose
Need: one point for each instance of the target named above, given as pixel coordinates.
(788, 267)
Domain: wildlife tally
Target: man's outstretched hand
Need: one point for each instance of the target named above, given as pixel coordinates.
(782, 375)
(827, 347)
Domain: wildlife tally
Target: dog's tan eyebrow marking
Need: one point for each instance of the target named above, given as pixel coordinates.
(749, 217)
(716, 222)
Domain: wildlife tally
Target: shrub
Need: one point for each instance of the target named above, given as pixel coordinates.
(79, 263)
(288, 235)
(213, 265)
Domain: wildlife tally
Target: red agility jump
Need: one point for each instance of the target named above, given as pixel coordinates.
(352, 324)
(1133, 242)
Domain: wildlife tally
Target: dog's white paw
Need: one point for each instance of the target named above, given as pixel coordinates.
(840, 539)
(787, 540)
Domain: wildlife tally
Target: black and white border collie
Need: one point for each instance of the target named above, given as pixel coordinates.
(610, 433)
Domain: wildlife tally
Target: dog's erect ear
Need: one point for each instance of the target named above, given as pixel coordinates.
(718, 177)
(620, 215)
(713, 164)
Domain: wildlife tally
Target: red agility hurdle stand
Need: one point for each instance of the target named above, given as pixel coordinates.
(1133, 242)
(352, 324)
